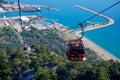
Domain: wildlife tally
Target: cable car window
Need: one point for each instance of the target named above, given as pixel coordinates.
(75, 46)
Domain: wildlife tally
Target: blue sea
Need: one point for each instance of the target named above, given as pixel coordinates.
(108, 37)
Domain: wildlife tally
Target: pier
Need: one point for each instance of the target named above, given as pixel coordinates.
(111, 21)
(49, 8)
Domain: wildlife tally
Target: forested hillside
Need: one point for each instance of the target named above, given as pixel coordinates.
(49, 38)
(43, 64)
(48, 61)
(8, 39)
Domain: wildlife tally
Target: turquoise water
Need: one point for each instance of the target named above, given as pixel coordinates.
(108, 38)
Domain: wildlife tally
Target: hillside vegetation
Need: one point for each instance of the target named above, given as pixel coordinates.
(49, 38)
(42, 64)
(48, 61)
(8, 39)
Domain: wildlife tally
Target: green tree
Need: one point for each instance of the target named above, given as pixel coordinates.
(9, 39)
(62, 72)
(41, 50)
(114, 70)
(5, 68)
(102, 74)
(53, 75)
(42, 73)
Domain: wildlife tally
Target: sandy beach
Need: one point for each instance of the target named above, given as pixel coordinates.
(99, 50)
(105, 55)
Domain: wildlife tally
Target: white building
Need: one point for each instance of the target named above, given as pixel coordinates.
(25, 19)
(1, 10)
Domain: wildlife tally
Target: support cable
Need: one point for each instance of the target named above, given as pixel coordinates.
(82, 24)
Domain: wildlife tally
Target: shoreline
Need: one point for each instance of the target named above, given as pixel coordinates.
(104, 54)
(73, 34)
(100, 52)
(88, 43)
(93, 46)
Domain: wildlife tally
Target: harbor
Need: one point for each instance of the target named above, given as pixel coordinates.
(10, 7)
(38, 22)
(110, 22)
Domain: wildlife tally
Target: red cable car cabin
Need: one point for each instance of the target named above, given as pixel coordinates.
(75, 51)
